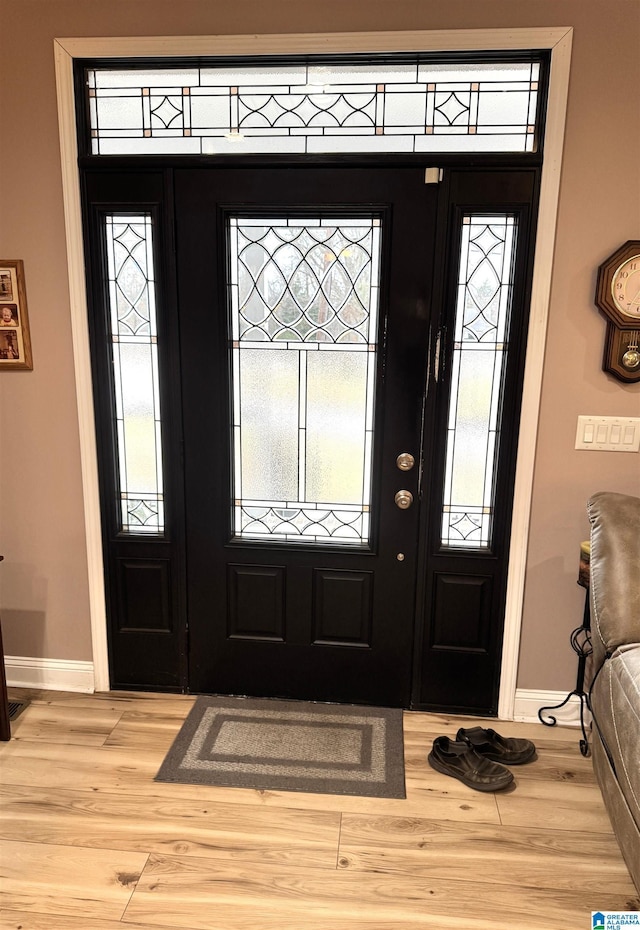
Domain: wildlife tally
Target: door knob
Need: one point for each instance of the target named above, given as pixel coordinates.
(405, 461)
(404, 499)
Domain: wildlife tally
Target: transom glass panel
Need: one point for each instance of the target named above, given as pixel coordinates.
(484, 293)
(134, 339)
(304, 299)
(411, 105)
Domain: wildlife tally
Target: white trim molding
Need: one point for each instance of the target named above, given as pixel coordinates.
(556, 39)
(50, 674)
(527, 704)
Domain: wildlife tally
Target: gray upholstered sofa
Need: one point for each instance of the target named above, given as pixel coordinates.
(615, 682)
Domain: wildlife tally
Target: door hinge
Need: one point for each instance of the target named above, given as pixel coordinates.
(433, 175)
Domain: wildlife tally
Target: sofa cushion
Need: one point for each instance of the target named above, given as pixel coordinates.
(615, 700)
(615, 557)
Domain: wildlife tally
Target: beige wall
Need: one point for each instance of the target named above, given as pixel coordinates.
(44, 591)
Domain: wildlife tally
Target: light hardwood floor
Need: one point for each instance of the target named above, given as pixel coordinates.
(88, 840)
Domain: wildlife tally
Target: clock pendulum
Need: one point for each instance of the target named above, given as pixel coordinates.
(631, 358)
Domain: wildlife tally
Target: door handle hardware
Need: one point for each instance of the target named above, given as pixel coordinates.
(405, 461)
(404, 499)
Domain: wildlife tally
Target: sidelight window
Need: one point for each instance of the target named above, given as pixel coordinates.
(134, 341)
(483, 306)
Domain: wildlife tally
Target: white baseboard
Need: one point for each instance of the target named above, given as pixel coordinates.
(528, 703)
(51, 674)
(68, 675)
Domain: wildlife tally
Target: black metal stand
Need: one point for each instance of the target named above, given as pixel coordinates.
(581, 644)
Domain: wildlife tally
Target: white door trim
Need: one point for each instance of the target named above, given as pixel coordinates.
(557, 39)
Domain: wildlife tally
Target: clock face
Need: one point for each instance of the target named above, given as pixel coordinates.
(625, 287)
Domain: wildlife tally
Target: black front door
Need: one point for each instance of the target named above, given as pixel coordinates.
(311, 327)
(303, 299)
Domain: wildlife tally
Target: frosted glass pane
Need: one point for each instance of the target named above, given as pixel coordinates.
(212, 112)
(336, 405)
(405, 109)
(119, 113)
(139, 438)
(165, 77)
(503, 142)
(497, 71)
(504, 108)
(157, 146)
(269, 425)
(346, 142)
(233, 75)
(472, 427)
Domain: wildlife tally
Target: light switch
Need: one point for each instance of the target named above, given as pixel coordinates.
(608, 434)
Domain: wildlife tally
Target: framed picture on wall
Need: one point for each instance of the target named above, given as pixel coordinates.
(15, 341)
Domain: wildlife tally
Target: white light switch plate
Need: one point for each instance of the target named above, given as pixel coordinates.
(608, 434)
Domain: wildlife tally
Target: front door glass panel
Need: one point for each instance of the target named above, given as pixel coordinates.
(304, 298)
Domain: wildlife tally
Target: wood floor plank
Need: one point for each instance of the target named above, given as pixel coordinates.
(218, 831)
(15, 919)
(66, 880)
(57, 723)
(116, 770)
(579, 808)
(188, 893)
(560, 860)
(140, 701)
(137, 730)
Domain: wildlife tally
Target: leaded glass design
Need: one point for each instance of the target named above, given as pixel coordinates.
(303, 295)
(134, 338)
(484, 293)
(297, 108)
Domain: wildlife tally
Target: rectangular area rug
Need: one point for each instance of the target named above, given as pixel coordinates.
(289, 746)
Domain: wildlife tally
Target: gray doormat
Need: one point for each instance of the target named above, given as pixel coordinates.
(289, 746)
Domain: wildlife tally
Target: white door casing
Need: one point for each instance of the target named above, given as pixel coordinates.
(557, 39)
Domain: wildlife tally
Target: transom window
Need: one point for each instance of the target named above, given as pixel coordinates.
(407, 105)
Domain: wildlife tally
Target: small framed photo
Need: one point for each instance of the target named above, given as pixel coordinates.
(15, 340)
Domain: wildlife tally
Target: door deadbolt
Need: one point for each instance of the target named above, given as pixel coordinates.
(404, 499)
(405, 461)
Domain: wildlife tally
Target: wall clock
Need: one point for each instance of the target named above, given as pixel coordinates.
(618, 297)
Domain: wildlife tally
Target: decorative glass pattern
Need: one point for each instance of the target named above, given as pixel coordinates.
(304, 315)
(297, 108)
(132, 311)
(485, 286)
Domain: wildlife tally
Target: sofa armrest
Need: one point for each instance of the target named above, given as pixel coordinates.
(615, 572)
